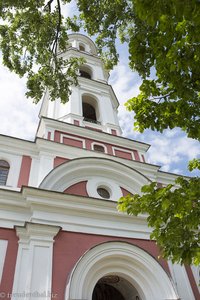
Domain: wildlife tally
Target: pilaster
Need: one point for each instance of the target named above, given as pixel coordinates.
(33, 273)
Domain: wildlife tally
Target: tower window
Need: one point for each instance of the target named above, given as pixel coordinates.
(99, 148)
(85, 74)
(103, 192)
(4, 169)
(81, 47)
(89, 113)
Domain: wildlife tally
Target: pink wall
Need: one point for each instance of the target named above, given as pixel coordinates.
(10, 260)
(114, 132)
(59, 160)
(57, 136)
(49, 135)
(125, 192)
(136, 155)
(69, 247)
(24, 171)
(76, 122)
(73, 142)
(192, 283)
(77, 189)
(123, 154)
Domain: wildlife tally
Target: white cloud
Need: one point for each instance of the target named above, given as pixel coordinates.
(69, 9)
(18, 115)
(171, 149)
(124, 82)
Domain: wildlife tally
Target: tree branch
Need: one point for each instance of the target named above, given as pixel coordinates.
(159, 98)
(55, 44)
(49, 5)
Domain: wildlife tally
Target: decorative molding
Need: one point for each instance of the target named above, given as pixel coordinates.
(181, 281)
(103, 136)
(72, 137)
(99, 144)
(127, 261)
(72, 213)
(85, 168)
(33, 273)
(3, 249)
(123, 150)
(95, 182)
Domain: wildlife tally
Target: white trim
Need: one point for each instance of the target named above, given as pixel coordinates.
(113, 188)
(99, 144)
(15, 162)
(108, 138)
(125, 260)
(123, 150)
(181, 281)
(62, 136)
(33, 271)
(52, 132)
(3, 249)
(63, 176)
(72, 213)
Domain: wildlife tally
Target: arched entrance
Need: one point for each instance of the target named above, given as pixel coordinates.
(113, 287)
(140, 274)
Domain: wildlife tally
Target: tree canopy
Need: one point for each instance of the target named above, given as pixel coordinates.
(173, 214)
(164, 48)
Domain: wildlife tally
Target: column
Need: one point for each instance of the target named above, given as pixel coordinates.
(33, 274)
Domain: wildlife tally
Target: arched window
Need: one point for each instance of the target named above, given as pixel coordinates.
(81, 47)
(85, 72)
(89, 113)
(98, 148)
(90, 109)
(4, 169)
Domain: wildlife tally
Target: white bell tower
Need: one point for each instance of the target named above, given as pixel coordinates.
(93, 103)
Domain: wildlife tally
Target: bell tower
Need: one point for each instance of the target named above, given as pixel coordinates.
(93, 103)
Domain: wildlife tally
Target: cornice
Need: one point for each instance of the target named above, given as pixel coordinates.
(72, 152)
(74, 213)
(92, 134)
(37, 232)
(17, 146)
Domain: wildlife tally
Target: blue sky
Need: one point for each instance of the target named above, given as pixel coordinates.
(19, 116)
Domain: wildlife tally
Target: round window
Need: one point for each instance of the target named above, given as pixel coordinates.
(104, 193)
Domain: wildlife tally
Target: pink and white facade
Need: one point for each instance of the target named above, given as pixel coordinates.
(61, 236)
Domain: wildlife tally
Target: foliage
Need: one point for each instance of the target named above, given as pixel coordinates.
(164, 48)
(164, 43)
(32, 35)
(173, 215)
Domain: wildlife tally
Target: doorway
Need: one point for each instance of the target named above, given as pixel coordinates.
(113, 287)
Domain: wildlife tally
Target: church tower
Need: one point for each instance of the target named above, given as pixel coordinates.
(61, 236)
(93, 103)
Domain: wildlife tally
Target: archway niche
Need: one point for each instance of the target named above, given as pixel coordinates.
(85, 72)
(81, 47)
(90, 109)
(114, 287)
(139, 273)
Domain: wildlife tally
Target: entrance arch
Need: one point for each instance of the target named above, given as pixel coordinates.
(134, 266)
(113, 287)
